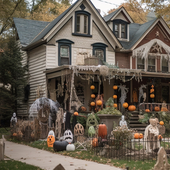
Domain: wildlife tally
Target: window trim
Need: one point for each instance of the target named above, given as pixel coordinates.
(120, 22)
(100, 46)
(164, 66)
(64, 42)
(151, 65)
(143, 64)
(85, 13)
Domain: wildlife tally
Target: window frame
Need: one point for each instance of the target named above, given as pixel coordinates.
(67, 43)
(120, 23)
(141, 64)
(164, 66)
(85, 14)
(151, 65)
(99, 46)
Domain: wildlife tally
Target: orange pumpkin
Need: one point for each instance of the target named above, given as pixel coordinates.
(152, 96)
(93, 96)
(102, 131)
(125, 105)
(132, 108)
(141, 136)
(99, 102)
(115, 87)
(14, 134)
(164, 109)
(157, 108)
(147, 110)
(50, 140)
(151, 90)
(83, 108)
(92, 87)
(115, 105)
(161, 123)
(160, 137)
(92, 103)
(115, 96)
(136, 135)
(76, 113)
(95, 142)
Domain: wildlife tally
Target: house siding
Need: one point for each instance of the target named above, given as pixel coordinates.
(51, 57)
(37, 77)
(123, 60)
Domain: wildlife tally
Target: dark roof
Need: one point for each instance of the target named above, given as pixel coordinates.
(111, 15)
(28, 29)
(136, 31)
(52, 24)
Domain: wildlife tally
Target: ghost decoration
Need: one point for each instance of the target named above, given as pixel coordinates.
(13, 119)
(68, 136)
(51, 132)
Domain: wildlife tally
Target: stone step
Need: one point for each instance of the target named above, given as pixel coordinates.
(134, 122)
(137, 125)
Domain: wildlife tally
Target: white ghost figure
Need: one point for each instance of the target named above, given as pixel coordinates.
(68, 136)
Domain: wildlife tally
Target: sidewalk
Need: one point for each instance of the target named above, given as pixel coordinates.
(47, 160)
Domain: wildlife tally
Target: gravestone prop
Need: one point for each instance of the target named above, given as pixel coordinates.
(162, 161)
(2, 148)
(59, 167)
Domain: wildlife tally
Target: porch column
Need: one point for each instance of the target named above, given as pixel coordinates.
(131, 89)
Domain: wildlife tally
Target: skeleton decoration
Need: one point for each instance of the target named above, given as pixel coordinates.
(151, 136)
(68, 136)
(141, 94)
(123, 122)
(124, 92)
(13, 119)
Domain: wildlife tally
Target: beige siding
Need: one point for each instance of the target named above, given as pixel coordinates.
(110, 57)
(51, 57)
(121, 16)
(37, 65)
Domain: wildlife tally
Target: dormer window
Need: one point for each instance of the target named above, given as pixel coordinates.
(82, 24)
(120, 28)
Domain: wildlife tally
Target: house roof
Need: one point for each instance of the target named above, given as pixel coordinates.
(136, 31)
(28, 29)
(111, 15)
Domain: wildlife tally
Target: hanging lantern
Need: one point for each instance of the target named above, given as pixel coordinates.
(99, 102)
(93, 96)
(92, 87)
(92, 103)
(115, 87)
(115, 105)
(125, 105)
(115, 96)
(152, 96)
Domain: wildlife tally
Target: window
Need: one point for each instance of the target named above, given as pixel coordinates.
(120, 26)
(99, 50)
(82, 24)
(64, 52)
(151, 64)
(140, 63)
(117, 30)
(164, 65)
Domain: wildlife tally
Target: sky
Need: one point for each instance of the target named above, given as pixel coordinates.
(105, 5)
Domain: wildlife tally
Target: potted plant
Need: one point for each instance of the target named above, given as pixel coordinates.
(109, 115)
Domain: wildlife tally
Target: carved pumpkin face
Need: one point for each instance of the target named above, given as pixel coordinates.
(68, 136)
(50, 140)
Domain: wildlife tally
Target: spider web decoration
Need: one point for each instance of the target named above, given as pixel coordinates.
(156, 48)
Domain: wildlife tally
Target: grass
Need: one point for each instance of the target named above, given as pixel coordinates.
(15, 165)
(89, 155)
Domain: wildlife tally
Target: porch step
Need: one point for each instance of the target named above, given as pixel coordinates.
(134, 122)
(138, 125)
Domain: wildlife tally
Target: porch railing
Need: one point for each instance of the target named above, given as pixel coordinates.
(151, 106)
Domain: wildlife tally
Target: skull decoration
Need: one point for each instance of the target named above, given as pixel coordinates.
(68, 136)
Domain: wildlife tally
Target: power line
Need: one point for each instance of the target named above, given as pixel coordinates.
(108, 2)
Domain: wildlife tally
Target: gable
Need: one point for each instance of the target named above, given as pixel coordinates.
(122, 16)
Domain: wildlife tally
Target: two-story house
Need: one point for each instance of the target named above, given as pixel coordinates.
(61, 55)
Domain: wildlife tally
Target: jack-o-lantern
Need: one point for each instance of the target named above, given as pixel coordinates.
(147, 110)
(92, 103)
(161, 123)
(157, 109)
(95, 142)
(131, 108)
(93, 96)
(152, 96)
(76, 113)
(99, 102)
(68, 136)
(115, 87)
(115, 96)
(102, 131)
(50, 141)
(125, 105)
(92, 87)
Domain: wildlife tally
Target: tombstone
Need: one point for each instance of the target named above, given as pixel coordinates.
(2, 148)
(59, 167)
(162, 161)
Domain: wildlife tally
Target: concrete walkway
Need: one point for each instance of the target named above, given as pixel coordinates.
(47, 160)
